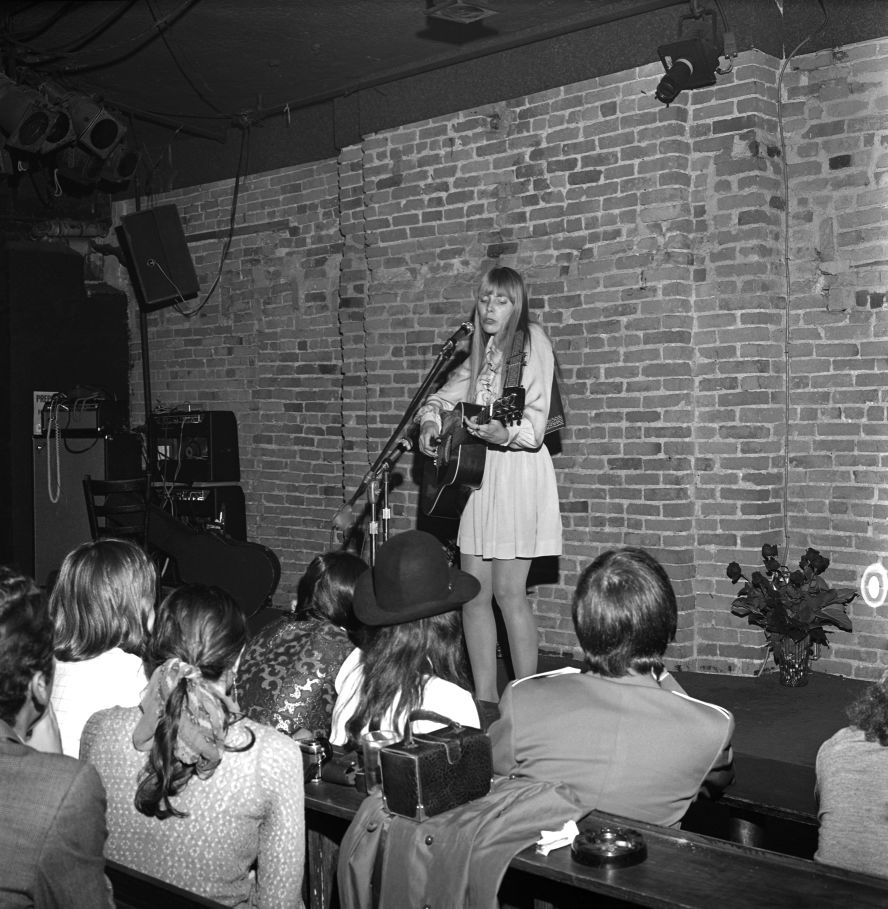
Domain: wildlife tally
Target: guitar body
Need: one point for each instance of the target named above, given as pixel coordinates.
(458, 465)
(248, 571)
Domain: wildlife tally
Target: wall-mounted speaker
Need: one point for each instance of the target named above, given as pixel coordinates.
(157, 254)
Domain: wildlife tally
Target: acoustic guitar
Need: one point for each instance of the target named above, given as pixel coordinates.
(458, 465)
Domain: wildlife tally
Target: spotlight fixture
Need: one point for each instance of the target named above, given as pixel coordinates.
(24, 118)
(120, 165)
(692, 60)
(689, 64)
(60, 133)
(96, 129)
(78, 165)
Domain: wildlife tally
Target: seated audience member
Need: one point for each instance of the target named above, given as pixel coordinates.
(852, 788)
(52, 808)
(288, 669)
(413, 655)
(622, 733)
(102, 606)
(197, 794)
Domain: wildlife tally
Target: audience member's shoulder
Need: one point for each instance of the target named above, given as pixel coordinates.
(704, 708)
(841, 741)
(60, 769)
(546, 679)
(270, 740)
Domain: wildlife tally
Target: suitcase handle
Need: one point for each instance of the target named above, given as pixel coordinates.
(426, 715)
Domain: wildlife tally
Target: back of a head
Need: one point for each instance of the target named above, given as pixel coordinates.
(624, 613)
(327, 588)
(26, 639)
(200, 625)
(103, 598)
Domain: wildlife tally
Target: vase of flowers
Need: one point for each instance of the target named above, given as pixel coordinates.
(793, 609)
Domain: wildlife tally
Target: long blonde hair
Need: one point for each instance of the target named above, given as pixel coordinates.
(500, 280)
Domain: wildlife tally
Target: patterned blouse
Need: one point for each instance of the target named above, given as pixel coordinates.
(287, 673)
(250, 811)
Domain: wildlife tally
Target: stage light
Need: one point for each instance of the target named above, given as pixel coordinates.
(690, 63)
(120, 165)
(96, 129)
(24, 118)
(60, 133)
(78, 165)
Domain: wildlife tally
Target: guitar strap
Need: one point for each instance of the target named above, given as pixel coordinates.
(515, 363)
(514, 370)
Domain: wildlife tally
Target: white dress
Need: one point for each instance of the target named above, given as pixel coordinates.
(515, 513)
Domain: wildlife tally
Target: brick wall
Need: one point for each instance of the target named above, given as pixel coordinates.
(654, 241)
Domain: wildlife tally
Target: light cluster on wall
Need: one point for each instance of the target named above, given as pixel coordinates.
(692, 60)
(74, 133)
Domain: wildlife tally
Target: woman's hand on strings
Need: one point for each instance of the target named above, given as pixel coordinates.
(492, 433)
(428, 438)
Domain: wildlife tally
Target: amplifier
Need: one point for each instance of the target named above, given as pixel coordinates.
(197, 447)
(78, 418)
(211, 508)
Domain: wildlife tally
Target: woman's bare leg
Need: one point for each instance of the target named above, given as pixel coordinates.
(479, 627)
(510, 592)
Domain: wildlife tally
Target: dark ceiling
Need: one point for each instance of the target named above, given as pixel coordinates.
(311, 76)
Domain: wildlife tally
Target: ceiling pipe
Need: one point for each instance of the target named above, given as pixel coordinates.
(522, 40)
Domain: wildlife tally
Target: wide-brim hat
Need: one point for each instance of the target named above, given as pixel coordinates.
(411, 579)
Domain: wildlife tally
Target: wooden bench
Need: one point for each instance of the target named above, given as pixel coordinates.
(682, 870)
(134, 890)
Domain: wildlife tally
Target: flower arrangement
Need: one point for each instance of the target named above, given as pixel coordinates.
(791, 604)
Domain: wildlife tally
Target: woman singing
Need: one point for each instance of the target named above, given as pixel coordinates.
(514, 516)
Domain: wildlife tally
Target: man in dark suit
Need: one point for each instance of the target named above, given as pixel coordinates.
(52, 807)
(623, 734)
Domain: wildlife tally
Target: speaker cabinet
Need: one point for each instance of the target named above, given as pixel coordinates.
(53, 337)
(157, 253)
(62, 524)
(197, 447)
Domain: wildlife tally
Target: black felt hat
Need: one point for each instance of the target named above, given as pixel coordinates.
(410, 580)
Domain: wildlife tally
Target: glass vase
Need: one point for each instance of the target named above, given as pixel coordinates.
(793, 661)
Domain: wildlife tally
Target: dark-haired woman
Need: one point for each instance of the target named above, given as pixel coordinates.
(413, 657)
(852, 788)
(197, 795)
(514, 516)
(288, 669)
(622, 734)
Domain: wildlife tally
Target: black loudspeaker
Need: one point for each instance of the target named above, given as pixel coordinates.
(197, 447)
(157, 253)
(59, 468)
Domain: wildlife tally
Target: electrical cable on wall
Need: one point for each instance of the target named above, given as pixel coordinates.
(787, 364)
(242, 165)
(53, 442)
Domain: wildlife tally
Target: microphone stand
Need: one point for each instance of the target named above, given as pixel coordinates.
(398, 443)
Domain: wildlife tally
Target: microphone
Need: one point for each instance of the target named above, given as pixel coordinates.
(462, 332)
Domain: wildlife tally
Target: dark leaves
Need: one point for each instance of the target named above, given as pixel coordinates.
(791, 604)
